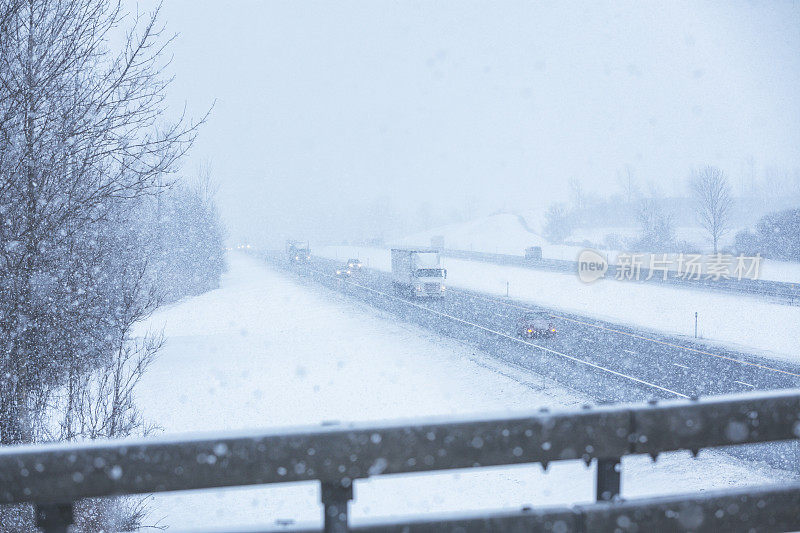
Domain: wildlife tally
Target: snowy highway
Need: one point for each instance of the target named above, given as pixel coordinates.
(271, 349)
(608, 362)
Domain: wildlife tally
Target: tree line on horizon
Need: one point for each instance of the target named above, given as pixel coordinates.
(709, 205)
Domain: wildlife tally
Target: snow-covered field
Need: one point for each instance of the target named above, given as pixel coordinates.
(267, 349)
(741, 321)
(501, 234)
(504, 234)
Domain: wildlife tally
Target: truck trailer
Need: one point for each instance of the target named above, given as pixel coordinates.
(418, 273)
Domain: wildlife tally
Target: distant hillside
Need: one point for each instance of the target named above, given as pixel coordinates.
(503, 233)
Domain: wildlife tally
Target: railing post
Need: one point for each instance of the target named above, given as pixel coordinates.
(608, 478)
(54, 518)
(335, 499)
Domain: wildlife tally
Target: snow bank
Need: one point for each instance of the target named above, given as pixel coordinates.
(270, 349)
(744, 322)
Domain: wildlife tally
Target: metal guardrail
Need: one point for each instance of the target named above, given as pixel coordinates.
(785, 292)
(773, 508)
(53, 477)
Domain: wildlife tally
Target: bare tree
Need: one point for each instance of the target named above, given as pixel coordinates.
(187, 256)
(629, 185)
(713, 203)
(83, 144)
(558, 223)
(577, 194)
(81, 133)
(657, 227)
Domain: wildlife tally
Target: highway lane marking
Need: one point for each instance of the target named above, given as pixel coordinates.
(500, 334)
(673, 345)
(743, 383)
(680, 365)
(635, 335)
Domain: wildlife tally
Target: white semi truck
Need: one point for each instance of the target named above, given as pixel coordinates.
(418, 272)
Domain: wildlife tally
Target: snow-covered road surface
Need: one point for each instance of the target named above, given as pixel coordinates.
(268, 350)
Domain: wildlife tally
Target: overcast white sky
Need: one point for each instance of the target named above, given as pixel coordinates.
(325, 105)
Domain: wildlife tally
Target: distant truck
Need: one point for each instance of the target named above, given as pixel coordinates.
(298, 252)
(418, 272)
(533, 253)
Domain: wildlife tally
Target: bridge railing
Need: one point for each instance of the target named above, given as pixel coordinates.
(53, 477)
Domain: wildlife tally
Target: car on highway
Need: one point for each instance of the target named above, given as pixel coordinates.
(344, 271)
(354, 264)
(535, 325)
